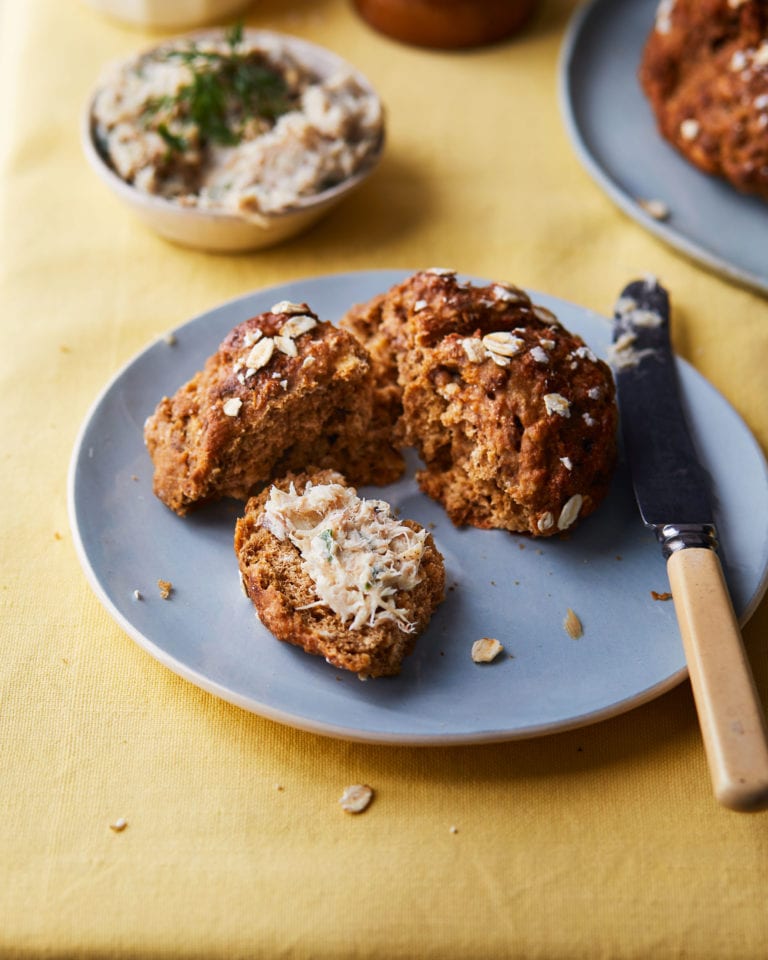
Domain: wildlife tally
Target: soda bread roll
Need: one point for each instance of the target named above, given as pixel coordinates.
(336, 575)
(514, 417)
(705, 72)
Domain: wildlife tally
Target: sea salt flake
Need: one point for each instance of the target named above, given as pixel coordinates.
(689, 129)
(539, 355)
(232, 406)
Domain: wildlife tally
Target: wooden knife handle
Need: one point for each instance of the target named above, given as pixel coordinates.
(730, 713)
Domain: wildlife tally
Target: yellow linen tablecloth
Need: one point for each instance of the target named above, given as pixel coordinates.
(600, 842)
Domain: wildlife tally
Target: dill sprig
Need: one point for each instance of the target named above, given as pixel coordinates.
(225, 92)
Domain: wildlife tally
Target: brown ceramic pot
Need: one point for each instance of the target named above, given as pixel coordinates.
(446, 24)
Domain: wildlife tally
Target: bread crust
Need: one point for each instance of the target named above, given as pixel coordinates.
(315, 407)
(704, 70)
(497, 453)
(278, 587)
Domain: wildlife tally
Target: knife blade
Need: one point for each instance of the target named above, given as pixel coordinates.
(674, 497)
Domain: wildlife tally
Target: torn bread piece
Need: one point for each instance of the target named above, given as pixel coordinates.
(338, 575)
(282, 391)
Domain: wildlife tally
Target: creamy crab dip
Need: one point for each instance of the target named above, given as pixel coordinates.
(358, 556)
(234, 123)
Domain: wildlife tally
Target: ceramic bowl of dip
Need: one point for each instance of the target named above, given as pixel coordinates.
(232, 197)
(169, 14)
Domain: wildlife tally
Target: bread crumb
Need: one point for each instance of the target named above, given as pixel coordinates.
(356, 798)
(137, 595)
(165, 587)
(57, 535)
(661, 596)
(453, 829)
(486, 649)
(655, 208)
(119, 825)
(572, 625)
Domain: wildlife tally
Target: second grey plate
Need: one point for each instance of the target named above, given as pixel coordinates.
(613, 130)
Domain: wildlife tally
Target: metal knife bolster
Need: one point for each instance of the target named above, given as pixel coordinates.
(671, 488)
(679, 536)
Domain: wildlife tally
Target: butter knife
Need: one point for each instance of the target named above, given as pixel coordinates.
(672, 492)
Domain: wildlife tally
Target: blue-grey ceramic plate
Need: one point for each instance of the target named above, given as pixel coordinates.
(613, 130)
(510, 587)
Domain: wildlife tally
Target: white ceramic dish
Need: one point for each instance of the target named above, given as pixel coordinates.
(225, 232)
(614, 133)
(169, 14)
(510, 587)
